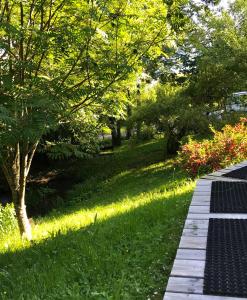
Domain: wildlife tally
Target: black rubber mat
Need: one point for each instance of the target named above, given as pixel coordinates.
(239, 174)
(226, 258)
(228, 197)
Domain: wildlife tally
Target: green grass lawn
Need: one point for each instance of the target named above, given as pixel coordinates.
(115, 239)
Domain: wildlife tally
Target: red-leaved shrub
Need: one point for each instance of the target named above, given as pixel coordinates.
(227, 147)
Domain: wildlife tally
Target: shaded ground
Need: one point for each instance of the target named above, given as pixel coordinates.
(49, 181)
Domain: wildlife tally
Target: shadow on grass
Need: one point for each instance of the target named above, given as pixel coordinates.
(123, 159)
(127, 256)
(77, 180)
(154, 178)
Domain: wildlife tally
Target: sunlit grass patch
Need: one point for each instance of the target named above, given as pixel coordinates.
(115, 242)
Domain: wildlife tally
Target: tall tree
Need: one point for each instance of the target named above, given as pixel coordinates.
(58, 57)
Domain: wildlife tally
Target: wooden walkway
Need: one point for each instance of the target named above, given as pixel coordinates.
(186, 278)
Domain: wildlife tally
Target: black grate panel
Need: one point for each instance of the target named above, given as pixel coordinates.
(228, 197)
(239, 174)
(226, 258)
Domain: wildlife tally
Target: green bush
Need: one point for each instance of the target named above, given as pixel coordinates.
(7, 218)
(105, 143)
(147, 133)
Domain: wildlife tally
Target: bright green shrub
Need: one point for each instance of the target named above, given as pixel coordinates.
(227, 147)
(7, 218)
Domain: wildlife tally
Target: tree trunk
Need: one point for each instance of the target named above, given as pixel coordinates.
(138, 123)
(114, 131)
(16, 166)
(119, 135)
(21, 215)
(129, 128)
(115, 126)
(128, 132)
(114, 136)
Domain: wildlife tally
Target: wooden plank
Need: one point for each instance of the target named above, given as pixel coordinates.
(198, 216)
(191, 254)
(206, 184)
(211, 177)
(181, 296)
(195, 232)
(201, 197)
(203, 182)
(185, 285)
(199, 209)
(202, 193)
(193, 242)
(203, 202)
(188, 268)
(198, 203)
(200, 224)
(237, 166)
(232, 168)
(219, 173)
(222, 178)
(224, 170)
(203, 188)
(229, 169)
(205, 216)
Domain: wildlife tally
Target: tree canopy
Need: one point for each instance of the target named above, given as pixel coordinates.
(59, 57)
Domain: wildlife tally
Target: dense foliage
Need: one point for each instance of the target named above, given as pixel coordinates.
(194, 84)
(171, 113)
(227, 147)
(7, 219)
